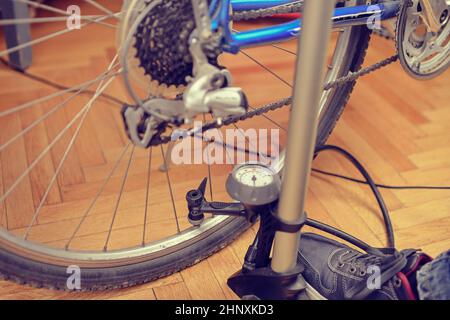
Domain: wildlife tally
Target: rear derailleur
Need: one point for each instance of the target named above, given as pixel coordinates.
(208, 91)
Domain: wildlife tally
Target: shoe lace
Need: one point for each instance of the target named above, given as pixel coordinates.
(360, 259)
(390, 263)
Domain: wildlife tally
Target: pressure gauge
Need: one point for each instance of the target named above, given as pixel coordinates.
(254, 183)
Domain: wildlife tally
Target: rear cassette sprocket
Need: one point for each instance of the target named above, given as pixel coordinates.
(162, 45)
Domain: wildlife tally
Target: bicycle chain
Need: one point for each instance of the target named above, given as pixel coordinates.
(217, 124)
(293, 7)
(384, 33)
(254, 14)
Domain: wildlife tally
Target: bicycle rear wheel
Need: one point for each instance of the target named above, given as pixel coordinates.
(64, 229)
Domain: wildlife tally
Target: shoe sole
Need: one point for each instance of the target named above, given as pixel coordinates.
(313, 294)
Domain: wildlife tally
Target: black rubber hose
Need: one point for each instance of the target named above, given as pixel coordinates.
(342, 235)
(372, 185)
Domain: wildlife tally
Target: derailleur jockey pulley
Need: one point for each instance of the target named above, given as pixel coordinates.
(208, 89)
(205, 87)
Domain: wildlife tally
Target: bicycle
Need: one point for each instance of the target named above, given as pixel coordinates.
(183, 82)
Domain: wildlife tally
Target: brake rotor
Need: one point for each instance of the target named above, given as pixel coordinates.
(423, 54)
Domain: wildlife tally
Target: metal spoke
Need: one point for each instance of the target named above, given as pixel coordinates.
(226, 146)
(119, 197)
(41, 119)
(55, 175)
(266, 68)
(209, 168)
(8, 22)
(118, 201)
(45, 38)
(59, 136)
(99, 192)
(170, 190)
(275, 46)
(271, 120)
(42, 154)
(283, 49)
(85, 111)
(147, 194)
(251, 143)
(81, 86)
(65, 13)
(100, 7)
(275, 75)
(229, 156)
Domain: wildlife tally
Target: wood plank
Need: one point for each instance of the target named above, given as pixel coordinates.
(87, 145)
(19, 203)
(396, 126)
(71, 172)
(224, 264)
(177, 291)
(424, 234)
(35, 142)
(201, 282)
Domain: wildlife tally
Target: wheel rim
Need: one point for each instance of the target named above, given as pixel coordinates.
(44, 253)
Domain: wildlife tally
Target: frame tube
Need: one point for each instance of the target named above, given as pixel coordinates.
(342, 17)
(302, 134)
(243, 5)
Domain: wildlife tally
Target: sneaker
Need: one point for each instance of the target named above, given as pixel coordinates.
(334, 271)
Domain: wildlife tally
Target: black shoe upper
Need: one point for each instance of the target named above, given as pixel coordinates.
(339, 272)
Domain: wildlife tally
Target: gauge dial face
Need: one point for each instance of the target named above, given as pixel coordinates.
(255, 175)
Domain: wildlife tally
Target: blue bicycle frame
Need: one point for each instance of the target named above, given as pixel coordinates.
(343, 17)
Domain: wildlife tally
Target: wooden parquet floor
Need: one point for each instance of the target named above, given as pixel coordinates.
(398, 127)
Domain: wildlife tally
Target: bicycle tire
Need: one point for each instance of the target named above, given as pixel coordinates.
(25, 269)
